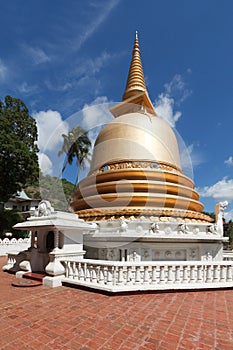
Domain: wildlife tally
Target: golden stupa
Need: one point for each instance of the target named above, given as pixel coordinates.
(135, 169)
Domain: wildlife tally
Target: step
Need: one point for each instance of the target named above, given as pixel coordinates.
(22, 282)
(36, 276)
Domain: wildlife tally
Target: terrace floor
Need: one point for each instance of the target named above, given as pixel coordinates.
(67, 318)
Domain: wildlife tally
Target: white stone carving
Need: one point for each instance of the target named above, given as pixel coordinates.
(219, 210)
(123, 226)
(183, 228)
(154, 228)
(44, 209)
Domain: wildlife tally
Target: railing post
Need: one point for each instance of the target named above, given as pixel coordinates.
(199, 273)
(137, 275)
(81, 272)
(109, 275)
(209, 274)
(101, 275)
(66, 269)
(76, 277)
(120, 276)
(162, 275)
(129, 274)
(192, 274)
(177, 274)
(69, 269)
(216, 273)
(146, 275)
(170, 275)
(88, 273)
(185, 274)
(94, 275)
(223, 273)
(154, 275)
(229, 273)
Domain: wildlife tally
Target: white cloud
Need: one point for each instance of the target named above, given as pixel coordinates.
(3, 70)
(90, 28)
(229, 161)
(45, 164)
(178, 89)
(24, 88)
(50, 129)
(164, 107)
(222, 190)
(38, 55)
(96, 114)
(175, 93)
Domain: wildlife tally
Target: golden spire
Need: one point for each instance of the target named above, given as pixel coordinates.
(135, 82)
(135, 97)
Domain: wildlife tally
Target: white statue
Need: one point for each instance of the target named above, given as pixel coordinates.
(219, 210)
(44, 209)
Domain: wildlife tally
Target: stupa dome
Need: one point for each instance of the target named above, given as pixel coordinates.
(135, 169)
(136, 136)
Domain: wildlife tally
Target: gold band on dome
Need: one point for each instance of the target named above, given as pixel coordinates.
(138, 164)
(151, 213)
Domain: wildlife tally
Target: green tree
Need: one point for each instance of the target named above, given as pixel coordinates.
(18, 150)
(8, 218)
(76, 145)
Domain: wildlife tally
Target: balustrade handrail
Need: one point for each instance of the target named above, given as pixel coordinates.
(149, 263)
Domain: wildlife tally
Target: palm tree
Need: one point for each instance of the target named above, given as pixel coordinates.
(76, 145)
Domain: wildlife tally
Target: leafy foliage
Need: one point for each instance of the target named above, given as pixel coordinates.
(18, 150)
(8, 218)
(76, 145)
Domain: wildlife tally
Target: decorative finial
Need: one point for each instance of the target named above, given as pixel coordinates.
(136, 80)
(135, 96)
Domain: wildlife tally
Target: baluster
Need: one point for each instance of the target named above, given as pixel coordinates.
(101, 275)
(88, 273)
(129, 275)
(199, 274)
(185, 274)
(229, 273)
(170, 275)
(94, 275)
(69, 269)
(192, 274)
(137, 275)
(222, 273)
(114, 275)
(72, 265)
(162, 275)
(75, 268)
(146, 275)
(120, 275)
(66, 269)
(177, 274)
(209, 274)
(81, 272)
(154, 275)
(216, 273)
(109, 275)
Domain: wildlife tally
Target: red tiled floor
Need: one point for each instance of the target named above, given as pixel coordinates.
(66, 318)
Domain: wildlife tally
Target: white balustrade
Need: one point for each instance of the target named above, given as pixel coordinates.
(127, 276)
(8, 246)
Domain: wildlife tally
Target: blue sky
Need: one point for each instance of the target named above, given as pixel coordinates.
(61, 56)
